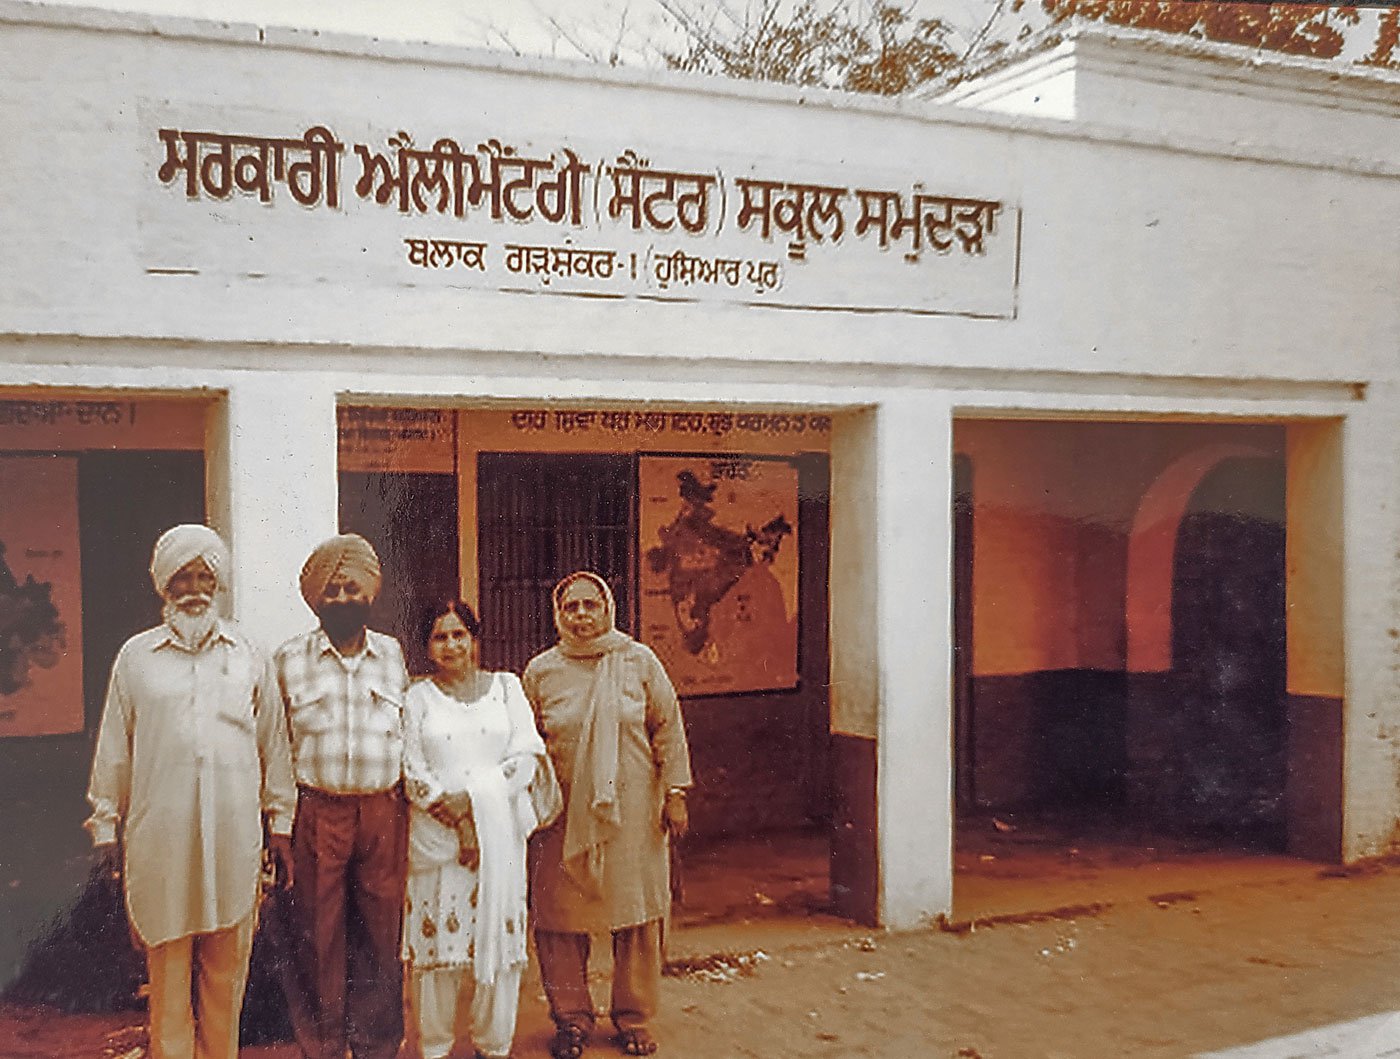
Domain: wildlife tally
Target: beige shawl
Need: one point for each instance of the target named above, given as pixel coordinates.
(592, 817)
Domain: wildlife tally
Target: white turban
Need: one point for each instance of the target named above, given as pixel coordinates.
(182, 545)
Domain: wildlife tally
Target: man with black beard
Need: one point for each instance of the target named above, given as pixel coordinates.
(343, 687)
(192, 755)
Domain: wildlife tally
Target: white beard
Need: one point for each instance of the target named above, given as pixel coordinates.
(192, 630)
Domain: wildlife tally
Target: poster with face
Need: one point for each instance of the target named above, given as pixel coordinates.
(41, 650)
(719, 586)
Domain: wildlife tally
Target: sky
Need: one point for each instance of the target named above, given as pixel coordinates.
(561, 28)
(567, 29)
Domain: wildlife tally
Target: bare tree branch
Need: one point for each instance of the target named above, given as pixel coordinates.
(888, 47)
(981, 34)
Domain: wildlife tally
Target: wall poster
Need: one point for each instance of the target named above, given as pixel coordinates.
(41, 649)
(719, 565)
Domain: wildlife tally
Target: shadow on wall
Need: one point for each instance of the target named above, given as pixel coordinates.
(1197, 747)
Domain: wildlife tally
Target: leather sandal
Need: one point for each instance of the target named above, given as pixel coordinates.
(568, 1042)
(636, 1041)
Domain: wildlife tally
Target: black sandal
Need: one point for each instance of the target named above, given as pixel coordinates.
(636, 1041)
(569, 1041)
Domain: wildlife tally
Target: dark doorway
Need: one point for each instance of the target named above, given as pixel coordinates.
(411, 519)
(116, 535)
(1229, 655)
(125, 501)
(1128, 701)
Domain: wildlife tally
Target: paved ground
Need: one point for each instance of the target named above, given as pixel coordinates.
(1255, 964)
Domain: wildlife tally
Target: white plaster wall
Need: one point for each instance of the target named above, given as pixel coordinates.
(914, 608)
(1136, 258)
(1371, 718)
(1262, 107)
(891, 660)
(1176, 87)
(271, 490)
(1045, 86)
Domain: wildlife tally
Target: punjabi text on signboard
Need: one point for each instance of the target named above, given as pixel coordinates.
(760, 228)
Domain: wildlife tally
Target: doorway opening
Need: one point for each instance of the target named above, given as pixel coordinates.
(89, 481)
(1121, 657)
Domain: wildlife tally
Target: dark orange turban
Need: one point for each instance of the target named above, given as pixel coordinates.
(346, 553)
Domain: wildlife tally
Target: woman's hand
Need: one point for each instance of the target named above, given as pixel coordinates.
(518, 771)
(468, 850)
(458, 804)
(439, 812)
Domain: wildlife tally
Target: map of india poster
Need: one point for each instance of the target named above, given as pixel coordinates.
(719, 588)
(41, 651)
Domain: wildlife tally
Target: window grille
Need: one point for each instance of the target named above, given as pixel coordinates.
(539, 517)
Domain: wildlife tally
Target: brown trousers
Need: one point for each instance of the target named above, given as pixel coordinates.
(636, 978)
(345, 987)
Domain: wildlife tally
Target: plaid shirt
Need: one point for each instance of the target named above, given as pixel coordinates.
(345, 715)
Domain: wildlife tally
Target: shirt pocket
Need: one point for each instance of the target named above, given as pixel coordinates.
(235, 737)
(386, 713)
(238, 716)
(309, 716)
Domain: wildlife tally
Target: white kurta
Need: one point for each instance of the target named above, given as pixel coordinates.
(455, 916)
(192, 751)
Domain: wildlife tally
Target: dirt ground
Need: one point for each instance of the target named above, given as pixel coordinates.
(1050, 953)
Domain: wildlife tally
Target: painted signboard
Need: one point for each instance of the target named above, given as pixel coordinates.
(485, 209)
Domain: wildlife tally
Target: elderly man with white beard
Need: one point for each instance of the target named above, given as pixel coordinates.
(191, 758)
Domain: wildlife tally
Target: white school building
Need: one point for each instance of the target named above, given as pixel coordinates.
(1032, 445)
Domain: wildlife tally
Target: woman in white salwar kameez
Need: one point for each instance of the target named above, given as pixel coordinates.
(479, 783)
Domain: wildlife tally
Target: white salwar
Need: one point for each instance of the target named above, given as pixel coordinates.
(458, 919)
